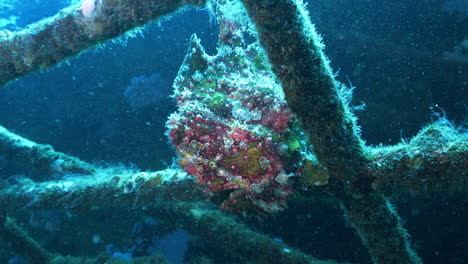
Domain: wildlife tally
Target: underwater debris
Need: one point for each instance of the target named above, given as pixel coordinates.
(21, 242)
(42, 157)
(367, 210)
(73, 30)
(286, 32)
(168, 195)
(433, 162)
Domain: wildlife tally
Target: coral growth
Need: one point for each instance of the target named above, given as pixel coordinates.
(232, 129)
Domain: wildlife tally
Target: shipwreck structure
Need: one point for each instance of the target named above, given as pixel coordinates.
(220, 130)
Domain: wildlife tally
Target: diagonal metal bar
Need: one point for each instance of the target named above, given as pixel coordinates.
(168, 194)
(41, 157)
(75, 29)
(296, 54)
(21, 242)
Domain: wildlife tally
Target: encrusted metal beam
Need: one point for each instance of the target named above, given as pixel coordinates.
(41, 157)
(296, 53)
(75, 29)
(168, 194)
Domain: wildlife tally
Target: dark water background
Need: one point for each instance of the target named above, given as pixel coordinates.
(407, 60)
